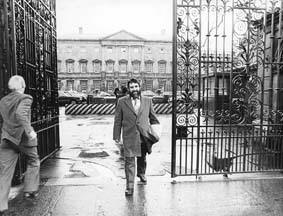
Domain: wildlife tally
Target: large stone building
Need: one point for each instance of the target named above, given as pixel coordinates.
(87, 64)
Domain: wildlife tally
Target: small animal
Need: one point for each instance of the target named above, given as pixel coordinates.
(220, 164)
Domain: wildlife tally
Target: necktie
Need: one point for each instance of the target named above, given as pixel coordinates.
(136, 105)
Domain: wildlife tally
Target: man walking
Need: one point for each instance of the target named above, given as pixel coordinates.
(134, 116)
(17, 135)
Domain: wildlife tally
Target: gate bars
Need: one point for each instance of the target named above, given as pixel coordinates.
(227, 74)
(28, 48)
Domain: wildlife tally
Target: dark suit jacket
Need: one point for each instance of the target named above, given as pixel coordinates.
(15, 118)
(133, 125)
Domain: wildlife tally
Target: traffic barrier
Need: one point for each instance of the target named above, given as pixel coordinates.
(108, 109)
(87, 109)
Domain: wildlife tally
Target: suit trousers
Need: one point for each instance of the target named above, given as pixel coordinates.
(130, 166)
(9, 153)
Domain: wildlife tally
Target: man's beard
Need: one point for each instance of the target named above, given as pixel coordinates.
(135, 94)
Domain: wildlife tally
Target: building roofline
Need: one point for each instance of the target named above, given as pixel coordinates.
(123, 31)
(100, 40)
(92, 38)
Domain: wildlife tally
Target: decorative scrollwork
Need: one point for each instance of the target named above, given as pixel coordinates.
(186, 120)
(181, 120)
(249, 57)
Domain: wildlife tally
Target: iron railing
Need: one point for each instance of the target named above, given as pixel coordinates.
(227, 72)
(28, 48)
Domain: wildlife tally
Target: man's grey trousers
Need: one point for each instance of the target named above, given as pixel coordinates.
(130, 167)
(9, 153)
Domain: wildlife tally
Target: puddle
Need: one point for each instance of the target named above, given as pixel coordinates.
(77, 148)
(76, 174)
(85, 154)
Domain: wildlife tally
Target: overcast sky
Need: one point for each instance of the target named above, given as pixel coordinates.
(145, 18)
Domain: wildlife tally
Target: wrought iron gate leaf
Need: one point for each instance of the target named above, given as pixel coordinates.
(28, 42)
(227, 72)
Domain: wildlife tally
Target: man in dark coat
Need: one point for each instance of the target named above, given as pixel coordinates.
(17, 135)
(133, 117)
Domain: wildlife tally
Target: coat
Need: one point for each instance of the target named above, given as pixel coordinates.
(133, 125)
(15, 119)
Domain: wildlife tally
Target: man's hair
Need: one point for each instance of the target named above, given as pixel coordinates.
(16, 82)
(133, 80)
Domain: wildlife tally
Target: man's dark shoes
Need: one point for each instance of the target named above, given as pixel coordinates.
(30, 195)
(142, 178)
(129, 191)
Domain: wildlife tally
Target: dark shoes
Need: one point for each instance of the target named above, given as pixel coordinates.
(142, 178)
(129, 191)
(30, 195)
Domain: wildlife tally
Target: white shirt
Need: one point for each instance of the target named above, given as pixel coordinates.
(136, 104)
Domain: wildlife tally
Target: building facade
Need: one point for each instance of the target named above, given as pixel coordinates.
(103, 64)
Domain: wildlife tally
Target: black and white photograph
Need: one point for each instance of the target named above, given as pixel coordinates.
(141, 108)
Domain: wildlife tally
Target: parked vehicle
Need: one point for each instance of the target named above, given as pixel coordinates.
(148, 93)
(100, 97)
(70, 97)
(160, 99)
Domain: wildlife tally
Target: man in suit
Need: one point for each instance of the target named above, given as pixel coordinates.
(17, 135)
(134, 116)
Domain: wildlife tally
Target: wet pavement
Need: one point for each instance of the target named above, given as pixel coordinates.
(86, 177)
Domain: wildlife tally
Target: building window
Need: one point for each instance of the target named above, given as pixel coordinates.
(148, 66)
(123, 66)
(110, 85)
(109, 49)
(136, 66)
(123, 49)
(162, 84)
(148, 84)
(168, 85)
(60, 84)
(70, 85)
(83, 65)
(110, 66)
(96, 66)
(59, 65)
(70, 65)
(83, 84)
(96, 84)
(162, 66)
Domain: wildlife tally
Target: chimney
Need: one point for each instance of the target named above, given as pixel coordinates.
(80, 30)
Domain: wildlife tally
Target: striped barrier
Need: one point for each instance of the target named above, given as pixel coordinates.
(87, 109)
(109, 109)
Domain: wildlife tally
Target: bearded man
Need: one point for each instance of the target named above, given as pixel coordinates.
(134, 116)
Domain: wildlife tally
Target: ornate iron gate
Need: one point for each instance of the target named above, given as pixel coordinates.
(28, 48)
(227, 85)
